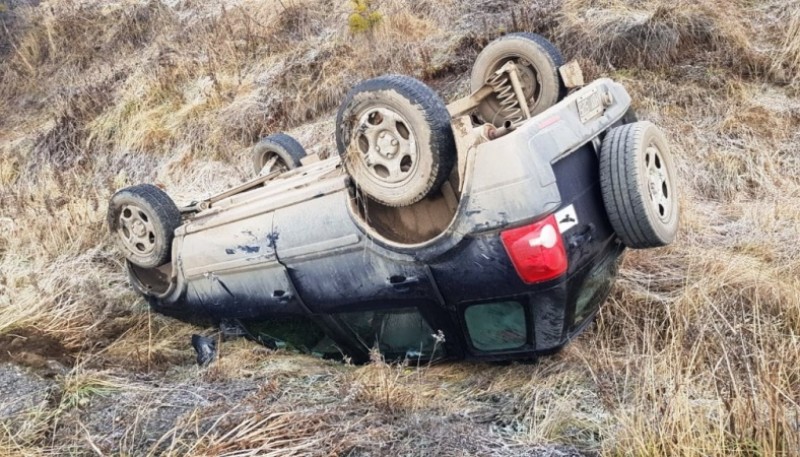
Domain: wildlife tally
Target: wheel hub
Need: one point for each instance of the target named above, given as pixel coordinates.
(136, 231)
(527, 79)
(138, 228)
(658, 185)
(388, 146)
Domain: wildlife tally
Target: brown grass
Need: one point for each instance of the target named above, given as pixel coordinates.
(655, 34)
(696, 353)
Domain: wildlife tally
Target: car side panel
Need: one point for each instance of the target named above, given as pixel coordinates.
(245, 294)
(244, 244)
(332, 263)
(236, 273)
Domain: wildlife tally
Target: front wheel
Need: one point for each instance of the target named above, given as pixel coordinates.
(639, 185)
(143, 220)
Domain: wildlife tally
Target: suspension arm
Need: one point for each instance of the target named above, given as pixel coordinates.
(511, 68)
(464, 105)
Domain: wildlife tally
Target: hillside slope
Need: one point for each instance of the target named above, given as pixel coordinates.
(696, 353)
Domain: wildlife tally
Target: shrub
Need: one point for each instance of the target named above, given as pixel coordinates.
(364, 17)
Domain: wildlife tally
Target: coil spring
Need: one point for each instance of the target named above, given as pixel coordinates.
(509, 105)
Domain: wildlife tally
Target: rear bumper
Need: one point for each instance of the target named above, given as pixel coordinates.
(479, 270)
(513, 180)
(560, 312)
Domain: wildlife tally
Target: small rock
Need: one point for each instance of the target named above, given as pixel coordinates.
(206, 349)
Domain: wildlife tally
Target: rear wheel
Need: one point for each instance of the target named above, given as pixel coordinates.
(277, 152)
(639, 185)
(537, 62)
(143, 220)
(393, 134)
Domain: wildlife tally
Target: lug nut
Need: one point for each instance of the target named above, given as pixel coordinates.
(394, 142)
(378, 148)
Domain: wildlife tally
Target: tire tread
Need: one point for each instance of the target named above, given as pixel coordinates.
(551, 50)
(435, 114)
(620, 183)
(168, 216)
(288, 148)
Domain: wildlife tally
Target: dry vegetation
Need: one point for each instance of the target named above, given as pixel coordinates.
(696, 353)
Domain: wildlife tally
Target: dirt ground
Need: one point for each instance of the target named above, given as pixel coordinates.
(180, 411)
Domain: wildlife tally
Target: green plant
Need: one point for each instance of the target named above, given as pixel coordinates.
(364, 17)
(79, 387)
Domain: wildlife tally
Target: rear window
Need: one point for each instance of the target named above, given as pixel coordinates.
(496, 326)
(396, 333)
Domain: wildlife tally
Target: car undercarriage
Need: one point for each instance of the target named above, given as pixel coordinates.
(490, 228)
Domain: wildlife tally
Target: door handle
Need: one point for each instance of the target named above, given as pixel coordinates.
(402, 283)
(282, 296)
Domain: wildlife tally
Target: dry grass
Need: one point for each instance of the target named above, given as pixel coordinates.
(655, 34)
(696, 353)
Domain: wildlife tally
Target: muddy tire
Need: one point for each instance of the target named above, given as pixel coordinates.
(394, 137)
(538, 61)
(639, 185)
(142, 220)
(283, 147)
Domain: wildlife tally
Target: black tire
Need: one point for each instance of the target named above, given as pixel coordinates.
(288, 150)
(540, 59)
(143, 219)
(639, 185)
(418, 147)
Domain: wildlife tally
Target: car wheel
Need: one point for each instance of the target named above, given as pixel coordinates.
(639, 185)
(537, 60)
(394, 137)
(143, 220)
(279, 151)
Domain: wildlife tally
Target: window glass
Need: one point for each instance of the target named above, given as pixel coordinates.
(396, 333)
(292, 332)
(595, 287)
(496, 326)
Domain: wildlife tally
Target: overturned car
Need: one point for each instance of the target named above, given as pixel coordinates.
(490, 228)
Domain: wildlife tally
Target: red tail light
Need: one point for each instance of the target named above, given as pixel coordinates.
(536, 250)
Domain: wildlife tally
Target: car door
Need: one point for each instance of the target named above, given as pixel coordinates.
(333, 265)
(339, 272)
(232, 270)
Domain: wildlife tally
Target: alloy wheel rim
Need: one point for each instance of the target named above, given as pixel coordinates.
(659, 186)
(387, 146)
(136, 231)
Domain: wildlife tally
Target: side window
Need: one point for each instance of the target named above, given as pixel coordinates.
(292, 332)
(396, 333)
(594, 289)
(496, 326)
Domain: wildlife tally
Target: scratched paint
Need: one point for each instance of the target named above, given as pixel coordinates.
(243, 249)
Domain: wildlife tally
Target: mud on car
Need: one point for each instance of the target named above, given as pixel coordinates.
(490, 228)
